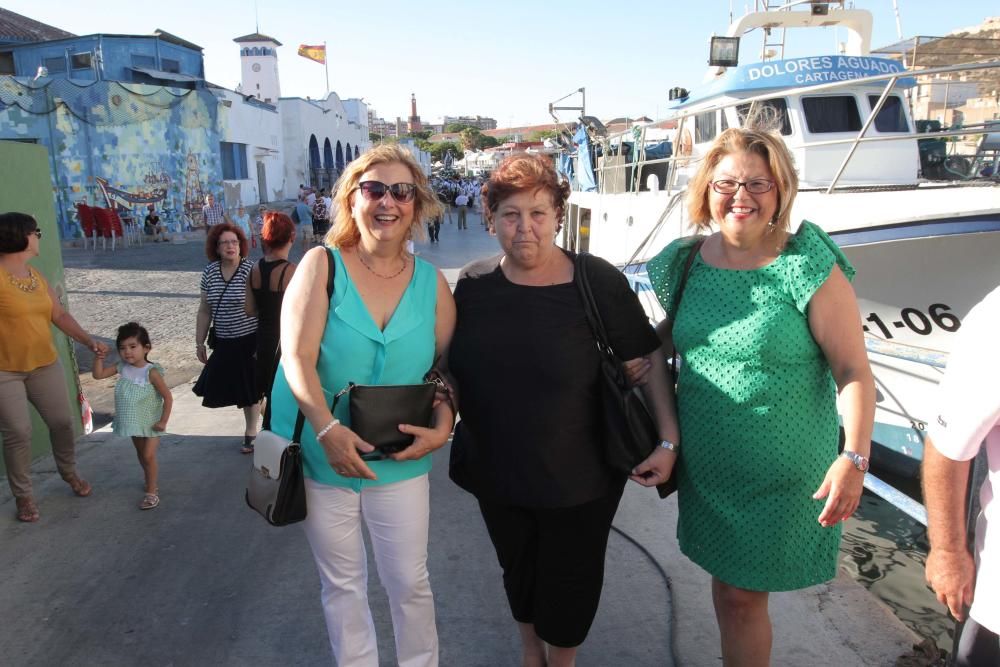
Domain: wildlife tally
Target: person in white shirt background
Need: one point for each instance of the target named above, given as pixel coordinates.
(968, 421)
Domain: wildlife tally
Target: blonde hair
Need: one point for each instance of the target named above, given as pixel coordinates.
(344, 232)
(770, 147)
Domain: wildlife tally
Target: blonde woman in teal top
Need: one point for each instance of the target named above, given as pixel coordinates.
(391, 315)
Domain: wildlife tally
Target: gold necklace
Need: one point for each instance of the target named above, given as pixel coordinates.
(380, 275)
(29, 284)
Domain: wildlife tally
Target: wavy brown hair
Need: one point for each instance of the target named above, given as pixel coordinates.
(212, 240)
(770, 147)
(345, 233)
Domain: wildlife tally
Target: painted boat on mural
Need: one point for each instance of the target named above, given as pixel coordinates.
(926, 251)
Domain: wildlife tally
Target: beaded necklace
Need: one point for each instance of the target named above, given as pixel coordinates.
(381, 275)
(29, 284)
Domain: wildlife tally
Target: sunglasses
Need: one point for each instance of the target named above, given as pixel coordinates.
(375, 191)
(36, 232)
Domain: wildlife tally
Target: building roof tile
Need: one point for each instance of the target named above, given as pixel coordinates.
(15, 28)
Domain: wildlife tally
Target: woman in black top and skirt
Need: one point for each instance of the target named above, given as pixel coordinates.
(265, 291)
(228, 376)
(529, 445)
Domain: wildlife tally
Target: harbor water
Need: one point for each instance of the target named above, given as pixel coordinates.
(885, 550)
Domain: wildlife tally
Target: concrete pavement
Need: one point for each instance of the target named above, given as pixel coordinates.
(203, 580)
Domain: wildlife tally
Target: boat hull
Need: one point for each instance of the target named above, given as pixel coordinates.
(924, 257)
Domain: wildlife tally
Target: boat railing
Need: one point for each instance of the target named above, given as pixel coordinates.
(638, 134)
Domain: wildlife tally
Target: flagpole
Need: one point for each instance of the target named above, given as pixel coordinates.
(326, 66)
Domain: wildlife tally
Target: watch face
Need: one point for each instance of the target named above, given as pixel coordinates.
(256, 67)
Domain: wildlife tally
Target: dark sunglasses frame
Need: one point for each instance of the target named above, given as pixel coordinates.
(37, 232)
(403, 193)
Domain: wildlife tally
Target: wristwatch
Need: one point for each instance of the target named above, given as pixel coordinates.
(860, 462)
(672, 446)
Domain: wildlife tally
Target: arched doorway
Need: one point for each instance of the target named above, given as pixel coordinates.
(314, 163)
(340, 157)
(356, 152)
(350, 156)
(328, 164)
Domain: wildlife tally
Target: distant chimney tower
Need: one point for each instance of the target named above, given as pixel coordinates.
(414, 122)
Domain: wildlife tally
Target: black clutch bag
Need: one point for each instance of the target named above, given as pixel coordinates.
(378, 410)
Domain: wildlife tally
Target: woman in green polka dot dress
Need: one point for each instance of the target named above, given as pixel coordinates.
(769, 331)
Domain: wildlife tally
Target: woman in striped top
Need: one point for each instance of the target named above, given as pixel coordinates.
(224, 326)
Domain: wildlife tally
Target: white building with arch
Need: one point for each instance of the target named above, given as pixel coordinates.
(289, 140)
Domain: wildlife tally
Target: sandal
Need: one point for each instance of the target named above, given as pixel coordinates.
(149, 501)
(81, 487)
(27, 510)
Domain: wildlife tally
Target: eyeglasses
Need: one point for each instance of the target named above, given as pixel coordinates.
(36, 232)
(375, 191)
(230, 242)
(757, 186)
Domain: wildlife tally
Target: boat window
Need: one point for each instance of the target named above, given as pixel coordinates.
(80, 60)
(141, 60)
(834, 113)
(6, 63)
(55, 65)
(170, 65)
(725, 121)
(892, 117)
(775, 108)
(704, 127)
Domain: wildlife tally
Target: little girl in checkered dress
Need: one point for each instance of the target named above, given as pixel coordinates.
(142, 401)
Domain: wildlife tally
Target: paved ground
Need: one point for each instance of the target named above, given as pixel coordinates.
(157, 285)
(202, 580)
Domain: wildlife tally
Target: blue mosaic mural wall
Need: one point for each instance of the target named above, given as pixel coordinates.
(128, 143)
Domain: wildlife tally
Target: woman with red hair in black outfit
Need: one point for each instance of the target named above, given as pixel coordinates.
(265, 291)
(224, 326)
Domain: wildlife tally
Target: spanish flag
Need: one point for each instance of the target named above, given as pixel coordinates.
(317, 53)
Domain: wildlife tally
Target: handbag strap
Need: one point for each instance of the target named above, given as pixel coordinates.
(590, 308)
(300, 419)
(227, 282)
(695, 249)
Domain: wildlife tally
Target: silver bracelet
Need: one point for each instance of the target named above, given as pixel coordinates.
(326, 429)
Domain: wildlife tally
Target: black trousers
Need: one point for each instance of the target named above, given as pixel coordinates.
(977, 646)
(553, 563)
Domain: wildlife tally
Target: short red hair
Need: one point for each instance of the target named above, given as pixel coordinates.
(523, 172)
(212, 240)
(278, 229)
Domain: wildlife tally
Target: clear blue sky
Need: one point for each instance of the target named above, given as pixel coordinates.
(506, 60)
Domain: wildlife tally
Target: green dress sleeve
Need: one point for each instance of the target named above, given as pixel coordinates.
(665, 270)
(810, 256)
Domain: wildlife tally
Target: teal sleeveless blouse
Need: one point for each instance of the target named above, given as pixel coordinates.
(354, 349)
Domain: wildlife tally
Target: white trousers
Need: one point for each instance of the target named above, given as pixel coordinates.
(397, 516)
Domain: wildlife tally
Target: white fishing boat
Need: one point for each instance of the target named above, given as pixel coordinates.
(925, 250)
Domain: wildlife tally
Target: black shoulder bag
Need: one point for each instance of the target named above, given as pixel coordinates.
(630, 433)
(276, 488)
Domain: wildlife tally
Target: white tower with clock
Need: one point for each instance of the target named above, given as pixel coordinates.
(259, 57)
